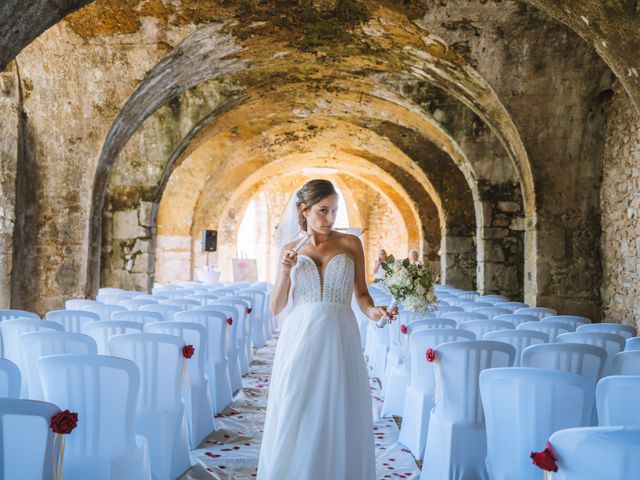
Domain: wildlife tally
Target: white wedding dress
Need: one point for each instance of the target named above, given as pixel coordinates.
(319, 422)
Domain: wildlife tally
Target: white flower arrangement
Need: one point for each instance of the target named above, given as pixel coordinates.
(410, 284)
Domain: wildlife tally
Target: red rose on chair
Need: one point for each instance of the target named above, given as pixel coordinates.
(188, 351)
(431, 355)
(249, 310)
(64, 422)
(229, 320)
(545, 459)
(403, 329)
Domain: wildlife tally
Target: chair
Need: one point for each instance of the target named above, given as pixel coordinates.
(103, 391)
(441, 311)
(574, 321)
(492, 312)
(139, 316)
(111, 299)
(36, 345)
(421, 388)
(427, 323)
(260, 328)
(632, 343)
(612, 343)
(626, 363)
(617, 401)
(462, 317)
(183, 303)
(136, 303)
(493, 299)
(11, 331)
(581, 451)
(552, 329)
(177, 294)
(471, 306)
(539, 312)
(243, 342)
(160, 411)
(517, 319)
(224, 292)
(104, 311)
(480, 327)
(78, 303)
(513, 306)
(72, 320)
(168, 311)
(203, 298)
(27, 449)
(103, 330)
(197, 400)
(469, 296)
(586, 360)
(457, 442)
(625, 331)
(216, 364)
(518, 339)
(110, 291)
(10, 379)
(522, 408)
(15, 314)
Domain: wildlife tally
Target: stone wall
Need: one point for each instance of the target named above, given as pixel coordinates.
(620, 198)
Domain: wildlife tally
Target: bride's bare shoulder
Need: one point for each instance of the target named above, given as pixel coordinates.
(350, 242)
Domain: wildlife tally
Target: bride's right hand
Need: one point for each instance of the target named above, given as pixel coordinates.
(288, 260)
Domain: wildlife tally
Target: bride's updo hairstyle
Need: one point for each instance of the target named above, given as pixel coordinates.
(311, 193)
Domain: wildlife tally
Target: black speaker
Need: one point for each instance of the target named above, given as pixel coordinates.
(209, 240)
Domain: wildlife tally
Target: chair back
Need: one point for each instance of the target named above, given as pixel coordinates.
(632, 343)
(139, 316)
(581, 359)
(492, 312)
(581, 451)
(72, 320)
(513, 306)
(15, 314)
(428, 323)
(469, 296)
(104, 311)
(78, 303)
(36, 345)
(167, 311)
(574, 321)
(215, 323)
(203, 298)
(517, 319)
(462, 317)
(471, 306)
(493, 299)
(626, 363)
(103, 330)
(481, 327)
(135, 303)
(10, 379)
(617, 401)
(552, 329)
(611, 342)
(11, 331)
(518, 339)
(457, 374)
(523, 407)
(539, 312)
(223, 292)
(111, 299)
(103, 391)
(160, 361)
(183, 303)
(441, 311)
(626, 331)
(26, 441)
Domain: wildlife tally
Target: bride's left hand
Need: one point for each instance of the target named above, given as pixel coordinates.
(376, 313)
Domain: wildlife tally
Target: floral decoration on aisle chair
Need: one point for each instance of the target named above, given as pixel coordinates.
(62, 423)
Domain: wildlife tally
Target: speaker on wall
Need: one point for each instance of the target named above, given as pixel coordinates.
(209, 240)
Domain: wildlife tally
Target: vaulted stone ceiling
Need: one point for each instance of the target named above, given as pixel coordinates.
(483, 118)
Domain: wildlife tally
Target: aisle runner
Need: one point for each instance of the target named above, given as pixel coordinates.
(231, 453)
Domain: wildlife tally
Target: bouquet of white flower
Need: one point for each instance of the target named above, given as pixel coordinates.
(410, 284)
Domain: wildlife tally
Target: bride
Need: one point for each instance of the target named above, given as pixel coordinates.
(319, 423)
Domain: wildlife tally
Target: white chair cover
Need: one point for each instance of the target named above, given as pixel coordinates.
(15, 314)
(539, 312)
(104, 311)
(586, 360)
(626, 331)
(26, 449)
(457, 442)
(481, 327)
(513, 306)
(103, 391)
(243, 341)
(517, 319)
(574, 321)
(197, 398)
(612, 343)
(168, 311)
(103, 330)
(216, 365)
(421, 388)
(471, 306)
(72, 320)
(581, 452)
(518, 339)
(160, 412)
(552, 329)
(260, 327)
(10, 379)
(617, 401)
(36, 345)
(523, 407)
(492, 312)
(139, 316)
(626, 363)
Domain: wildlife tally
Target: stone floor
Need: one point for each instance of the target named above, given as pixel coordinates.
(232, 451)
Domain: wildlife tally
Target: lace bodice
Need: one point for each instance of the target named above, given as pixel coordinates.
(336, 286)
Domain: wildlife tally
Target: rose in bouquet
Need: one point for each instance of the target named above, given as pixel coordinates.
(410, 284)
